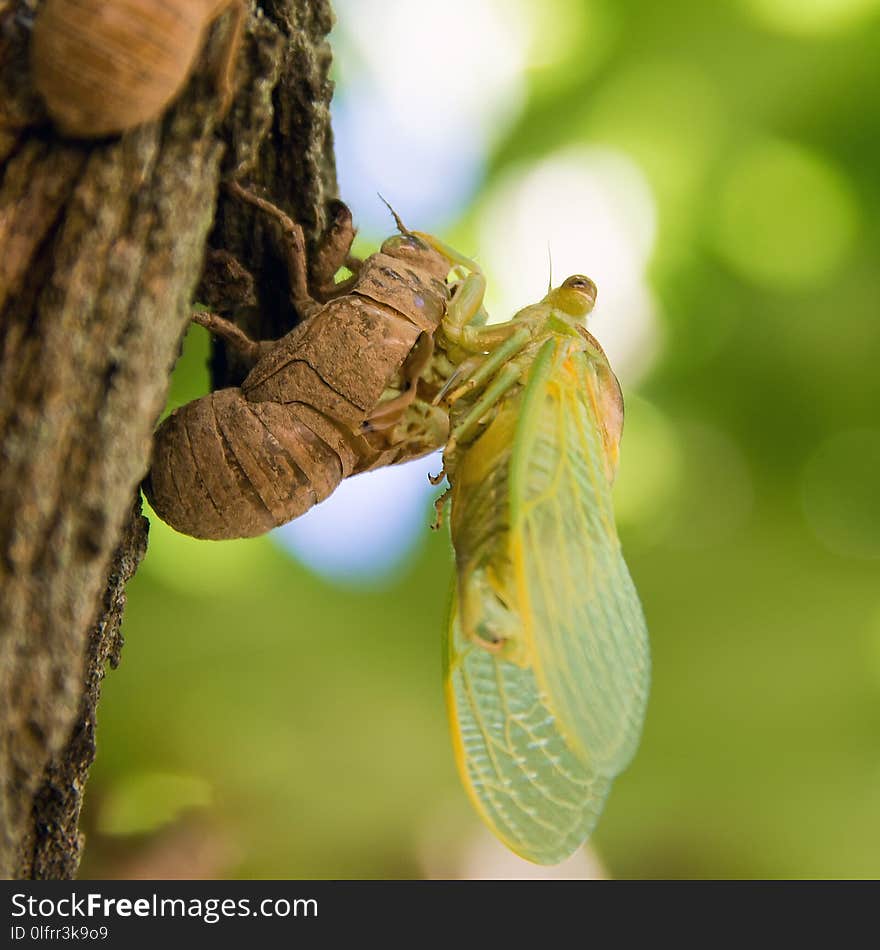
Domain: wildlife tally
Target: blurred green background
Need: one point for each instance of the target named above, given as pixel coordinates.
(714, 167)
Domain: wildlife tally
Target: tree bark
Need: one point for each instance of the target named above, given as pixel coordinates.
(101, 250)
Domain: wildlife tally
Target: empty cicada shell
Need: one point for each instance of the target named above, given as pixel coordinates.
(339, 394)
(105, 66)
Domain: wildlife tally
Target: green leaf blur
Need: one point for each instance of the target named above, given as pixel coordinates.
(310, 716)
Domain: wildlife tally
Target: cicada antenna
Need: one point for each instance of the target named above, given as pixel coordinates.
(400, 225)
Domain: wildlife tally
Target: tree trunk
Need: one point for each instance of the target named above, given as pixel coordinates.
(101, 249)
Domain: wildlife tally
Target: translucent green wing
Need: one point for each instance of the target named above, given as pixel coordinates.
(529, 787)
(583, 625)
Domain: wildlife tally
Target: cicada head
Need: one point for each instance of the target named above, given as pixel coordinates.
(418, 250)
(575, 296)
(413, 250)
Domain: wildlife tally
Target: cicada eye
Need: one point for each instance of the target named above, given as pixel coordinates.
(579, 282)
(575, 296)
(403, 246)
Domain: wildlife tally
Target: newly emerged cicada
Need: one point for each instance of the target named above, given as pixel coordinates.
(546, 658)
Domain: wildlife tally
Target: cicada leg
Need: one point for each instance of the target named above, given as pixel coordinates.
(463, 328)
(489, 365)
(486, 618)
(475, 339)
(332, 253)
(455, 258)
(495, 647)
(232, 335)
(293, 244)
(387, 414)
(466, 303)
(463, 370)
(466, 307)
(439, 503)
(463, 431)
(424, 429)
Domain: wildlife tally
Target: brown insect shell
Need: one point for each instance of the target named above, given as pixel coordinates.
(239, 462)
(103, 66)
(342, 359)
(225, 467)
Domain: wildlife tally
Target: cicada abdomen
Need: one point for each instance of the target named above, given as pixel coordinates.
(227, 467)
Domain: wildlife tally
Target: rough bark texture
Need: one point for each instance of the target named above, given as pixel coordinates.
(101, 249)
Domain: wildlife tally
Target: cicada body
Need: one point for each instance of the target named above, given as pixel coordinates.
(547, 662)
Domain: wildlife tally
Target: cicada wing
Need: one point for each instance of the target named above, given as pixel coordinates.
(527, 784)
(583, 623)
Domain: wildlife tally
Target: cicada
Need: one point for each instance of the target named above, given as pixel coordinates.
(546, 658)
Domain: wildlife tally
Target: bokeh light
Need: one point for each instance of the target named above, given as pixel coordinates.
(872, 651)
(199, 567)
(648, 484)
(714, 496)
(786, 217)
(555, 30)
(481, 857)
(591, 210)
(841, 493)
(146, 801)
(812, 18)
(669, 117)
(369, 526)
(416, 118)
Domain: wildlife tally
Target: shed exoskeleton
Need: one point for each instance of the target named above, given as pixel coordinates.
(345, 391)
(104, 66)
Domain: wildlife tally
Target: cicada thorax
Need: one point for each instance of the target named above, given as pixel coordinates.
(239, 462)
